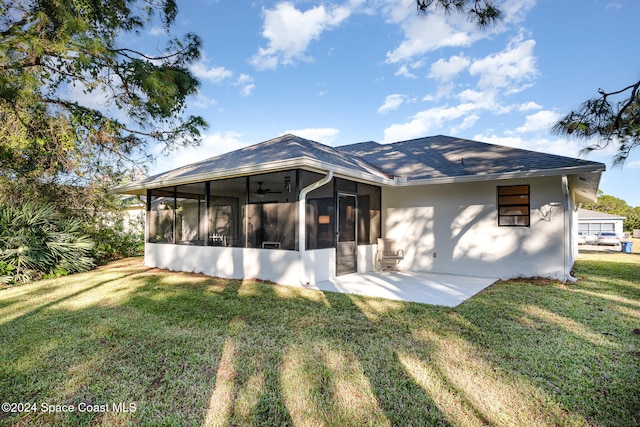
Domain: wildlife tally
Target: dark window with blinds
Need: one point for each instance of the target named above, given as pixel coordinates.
(513, 206)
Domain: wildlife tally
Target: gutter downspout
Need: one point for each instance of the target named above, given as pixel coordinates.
(302, 225)
(568, 243)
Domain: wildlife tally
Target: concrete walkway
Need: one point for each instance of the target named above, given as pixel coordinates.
(426, 288)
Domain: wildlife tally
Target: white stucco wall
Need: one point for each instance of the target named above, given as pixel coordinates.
(366, 257)
(278, 266)
(452, 228)
(572, 220)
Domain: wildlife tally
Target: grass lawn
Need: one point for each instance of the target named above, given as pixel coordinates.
(184, 349)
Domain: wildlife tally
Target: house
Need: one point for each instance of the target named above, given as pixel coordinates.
(297, 212)
(592, 222)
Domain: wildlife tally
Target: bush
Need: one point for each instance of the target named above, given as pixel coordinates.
(116, 240)
(37, 242)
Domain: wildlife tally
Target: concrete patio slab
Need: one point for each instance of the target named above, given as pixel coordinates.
(426, 288)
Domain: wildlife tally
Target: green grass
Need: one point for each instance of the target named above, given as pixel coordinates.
(190, 350)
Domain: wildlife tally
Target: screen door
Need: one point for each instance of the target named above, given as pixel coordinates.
(347, 242)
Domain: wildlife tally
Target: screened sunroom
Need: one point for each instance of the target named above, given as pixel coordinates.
(260, 211)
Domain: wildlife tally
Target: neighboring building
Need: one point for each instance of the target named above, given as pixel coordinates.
(295, 211)
(592, 222)
(130, 214)
(133, 214)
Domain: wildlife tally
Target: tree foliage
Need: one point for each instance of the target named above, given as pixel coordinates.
(35, 241)
(116, 238)
(612, 118)
(482, 12)
(79, 108)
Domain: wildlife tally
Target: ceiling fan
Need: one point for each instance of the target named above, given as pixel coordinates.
(262, 191)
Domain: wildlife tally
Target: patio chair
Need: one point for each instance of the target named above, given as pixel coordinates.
(388, 256)
(218, 240)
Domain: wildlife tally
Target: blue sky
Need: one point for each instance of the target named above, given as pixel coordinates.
(346, 71)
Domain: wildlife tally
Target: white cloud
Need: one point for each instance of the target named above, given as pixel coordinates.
(468, 122)
(398, 11)
(391, 103)
(219, 74)
(246, 81)
(514, 65)
(498, 75)
(633, 165)
(445, 90)
(423, 34)
(444, 70)
(540, 121)
(323, 135)
(476, 96)
(419, 41)
(529, 106)
(290, 31)
(213, 74)
(422, 122)
(96, 99)
(515, 11)
(203, 102)
(484, 100)
(157, 31)
(403, 71)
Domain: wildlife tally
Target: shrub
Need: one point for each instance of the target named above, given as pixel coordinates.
(114, 239)
(35, 242)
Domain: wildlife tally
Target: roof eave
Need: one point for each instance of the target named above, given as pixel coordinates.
(577, 170)
(308, 163)
(585, 185)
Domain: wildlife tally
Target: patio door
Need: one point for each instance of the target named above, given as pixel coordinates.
(347, 242)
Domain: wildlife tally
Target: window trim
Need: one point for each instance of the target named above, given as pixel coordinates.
(501, 206)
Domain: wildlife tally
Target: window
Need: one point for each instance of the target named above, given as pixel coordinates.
(272, 210)
(160, 212)
(320, 223)
(320, 214)
(227, 200)
(513, 206)
(592, 228)
(189, 213)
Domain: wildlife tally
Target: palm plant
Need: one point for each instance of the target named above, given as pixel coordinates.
(35, 242)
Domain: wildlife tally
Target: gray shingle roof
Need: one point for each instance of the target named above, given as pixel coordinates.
(423, 159)
(586, 214)
(446, 157)
(282, 148)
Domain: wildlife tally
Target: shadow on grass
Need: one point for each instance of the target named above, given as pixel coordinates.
(574, 342)
(193, 350)
(291, 358)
